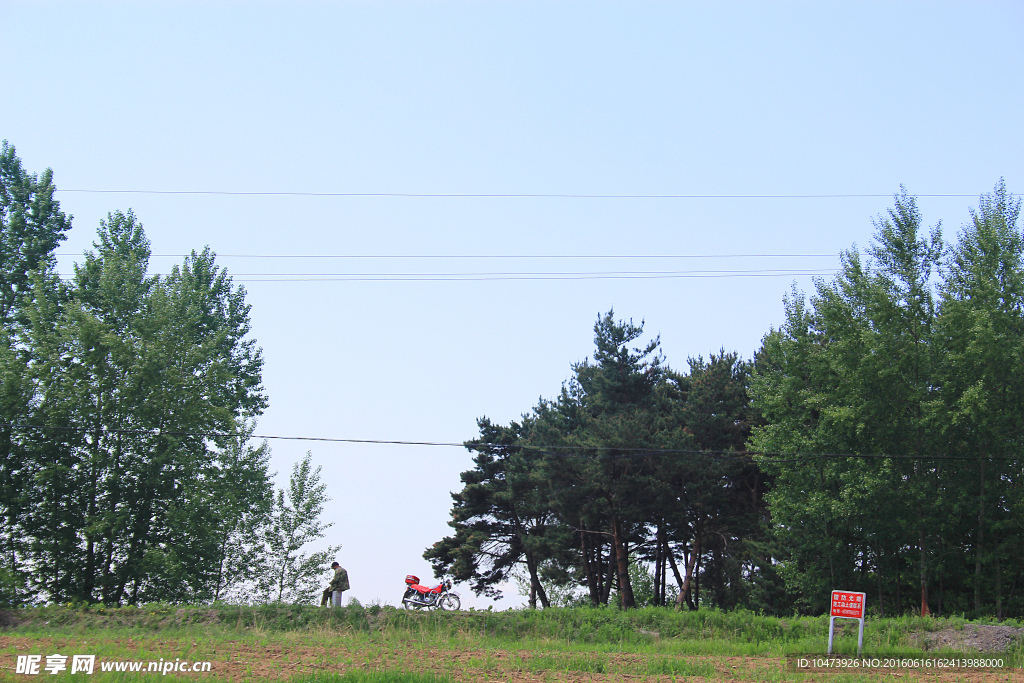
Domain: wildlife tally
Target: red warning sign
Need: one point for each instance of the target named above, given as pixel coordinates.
(847, 604)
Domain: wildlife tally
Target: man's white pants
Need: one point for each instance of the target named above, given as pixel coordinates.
(336, 598)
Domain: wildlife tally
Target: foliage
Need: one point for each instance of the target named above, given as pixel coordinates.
(127, 402)
(626, 464)
(12, 588)
(31, 227)
(980, 409)
(285, 573)
(642, 582)
(892, 407)
(885, 413)
(245, 509)
(501, 517)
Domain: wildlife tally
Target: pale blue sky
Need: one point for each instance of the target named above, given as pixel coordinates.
(638, 98)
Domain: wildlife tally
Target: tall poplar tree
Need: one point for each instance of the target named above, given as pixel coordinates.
(285, 570)
(142, 384)
(126, 404)
(31, 227)
(981, 376)
(892, 405)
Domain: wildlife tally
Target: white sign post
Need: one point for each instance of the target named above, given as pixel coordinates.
(847, 605)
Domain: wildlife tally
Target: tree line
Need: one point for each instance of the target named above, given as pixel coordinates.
(873, 443)
(127, 400)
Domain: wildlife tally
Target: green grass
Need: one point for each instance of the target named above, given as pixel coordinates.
(372, 677)
(549, 643)
(677, 666)
(349, 677)
(739, 631)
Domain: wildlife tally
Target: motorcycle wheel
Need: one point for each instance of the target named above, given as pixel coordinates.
(450, 602)
(408, 604)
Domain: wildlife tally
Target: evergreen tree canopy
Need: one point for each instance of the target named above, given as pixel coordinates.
(625, 464)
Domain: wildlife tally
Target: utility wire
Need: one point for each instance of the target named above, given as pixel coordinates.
(485, 276)
(560, 451)
(413, 278)
(492, 256)
(521, 275)
(501, 195)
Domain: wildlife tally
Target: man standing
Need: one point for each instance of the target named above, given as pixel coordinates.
(339, 584)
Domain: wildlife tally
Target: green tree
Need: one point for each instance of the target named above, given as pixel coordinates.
(571, 494)
(981, 379)
(31, 228)
(15, 398)
(715, 513)
(631, 462)
(855, 375)
(285, 571)
(125, 403)
(502, 517)
(244, 506)
(616, 417)
(143, 383)
(563, 481)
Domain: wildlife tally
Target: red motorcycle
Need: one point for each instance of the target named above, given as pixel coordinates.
(421, 597)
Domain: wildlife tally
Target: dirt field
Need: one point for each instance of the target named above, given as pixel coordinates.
(972, 637)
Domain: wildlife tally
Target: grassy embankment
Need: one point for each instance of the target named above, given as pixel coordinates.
(385, 645)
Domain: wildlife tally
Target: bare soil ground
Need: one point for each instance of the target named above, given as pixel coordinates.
(972, 637)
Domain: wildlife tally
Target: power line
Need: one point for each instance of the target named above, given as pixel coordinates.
(492, 256)
(503, 195)
(467, 278)
(573, 451)
(495, 276)
(509, 276)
